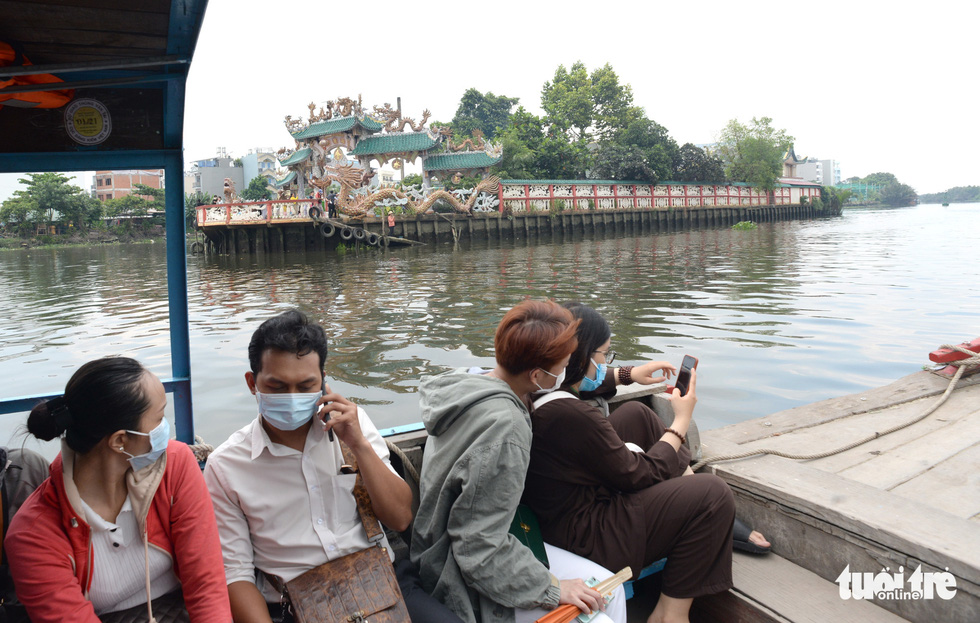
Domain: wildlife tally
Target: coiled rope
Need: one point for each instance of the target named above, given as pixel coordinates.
(972, 361)
(200, 449)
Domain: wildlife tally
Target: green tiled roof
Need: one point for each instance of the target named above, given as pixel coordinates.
(341, 124)
(464, 160)
(395, 143)
(298, 156)
(290, 177)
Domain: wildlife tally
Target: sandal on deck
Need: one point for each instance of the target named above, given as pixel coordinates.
(740, 539)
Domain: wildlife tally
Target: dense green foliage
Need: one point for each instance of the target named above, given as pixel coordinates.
(898, 194)
(258, 190)
(49, 198)
(482, 111)
(191, 201)
(694, 165)
(956, 194)
(754, 153)
(834, 198)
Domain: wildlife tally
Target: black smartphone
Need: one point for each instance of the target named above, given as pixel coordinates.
(326, 416)
(684, 373)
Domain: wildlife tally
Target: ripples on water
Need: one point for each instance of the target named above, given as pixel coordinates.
(783, 315)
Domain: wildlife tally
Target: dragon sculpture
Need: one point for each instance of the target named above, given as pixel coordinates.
(395, 122)
(474, 143)
(352, 178)
(229, 189)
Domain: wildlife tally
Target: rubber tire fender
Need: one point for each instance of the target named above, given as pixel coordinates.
(359, 234)
(315, 213)
(372, 238)
(347, 233)
(327, 230)
(197, 247)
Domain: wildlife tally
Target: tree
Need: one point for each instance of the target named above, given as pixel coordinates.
(191, 201)
(258, 190)
(412, 179)
(128, 205)
(642, 150)
(621, 162)
(882, 179)
(694, 165)
(898, 194)
(587, 107)
(485, 112)
(754, 153)
(522, 141)
(50, 197)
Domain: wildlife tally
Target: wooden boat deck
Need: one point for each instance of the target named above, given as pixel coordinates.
(906, 499)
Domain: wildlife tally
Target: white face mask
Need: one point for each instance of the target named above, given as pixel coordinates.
(559, 379)
(287, 411)
(159, 438)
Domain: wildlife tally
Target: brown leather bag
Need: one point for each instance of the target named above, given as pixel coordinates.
(357, 588)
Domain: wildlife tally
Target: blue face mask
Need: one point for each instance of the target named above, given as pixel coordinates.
(287, 411)
(159, 438)
(590, 385)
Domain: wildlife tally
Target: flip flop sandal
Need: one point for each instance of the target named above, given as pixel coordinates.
(740, 539)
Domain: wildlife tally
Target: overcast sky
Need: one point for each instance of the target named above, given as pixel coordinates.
(876, 86)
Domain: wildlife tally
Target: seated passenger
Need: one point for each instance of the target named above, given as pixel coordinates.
(473, 473)
(283, 506)
(599, 499)
(124, 517)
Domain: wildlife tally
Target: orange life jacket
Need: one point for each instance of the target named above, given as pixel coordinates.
(9, 56)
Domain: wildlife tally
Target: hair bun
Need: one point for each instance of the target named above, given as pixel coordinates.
(49, 419)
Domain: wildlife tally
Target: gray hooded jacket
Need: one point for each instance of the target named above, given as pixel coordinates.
(472, 478)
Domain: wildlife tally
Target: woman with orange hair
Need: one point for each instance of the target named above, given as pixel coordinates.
(473, 473)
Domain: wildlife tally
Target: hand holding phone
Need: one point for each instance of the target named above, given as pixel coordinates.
(684, 374)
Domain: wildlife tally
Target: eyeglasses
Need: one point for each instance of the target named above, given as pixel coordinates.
(610, 355)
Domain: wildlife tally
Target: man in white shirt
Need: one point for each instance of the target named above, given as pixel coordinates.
(282, 504)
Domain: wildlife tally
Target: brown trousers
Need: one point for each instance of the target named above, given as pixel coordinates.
(688, 519)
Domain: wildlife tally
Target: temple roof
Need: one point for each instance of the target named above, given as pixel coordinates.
(461, 160)
(289, 177)
(335, 126)
(396, 143)
(298, 156)
(790, 157)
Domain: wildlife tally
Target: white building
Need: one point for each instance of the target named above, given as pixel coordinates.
(823, 172)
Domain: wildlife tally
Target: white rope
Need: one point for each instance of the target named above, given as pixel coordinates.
(972, 360)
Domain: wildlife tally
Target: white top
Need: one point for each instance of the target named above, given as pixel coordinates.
(119, 574)
(283, 511)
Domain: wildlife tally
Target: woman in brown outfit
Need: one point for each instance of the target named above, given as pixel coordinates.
(596, 497)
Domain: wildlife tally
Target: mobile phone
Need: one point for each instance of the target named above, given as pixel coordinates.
(684, 373)
(326, 416)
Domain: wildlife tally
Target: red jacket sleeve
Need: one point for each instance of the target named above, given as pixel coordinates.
(194, 533)
(41, 562)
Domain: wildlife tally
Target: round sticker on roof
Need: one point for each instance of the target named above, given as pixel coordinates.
(88, 122)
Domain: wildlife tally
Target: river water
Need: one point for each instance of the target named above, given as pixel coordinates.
(779, 316)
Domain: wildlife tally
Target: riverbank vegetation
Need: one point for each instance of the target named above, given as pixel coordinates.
(52, 211)
(880, 188)
(592, 129)
(956, 194)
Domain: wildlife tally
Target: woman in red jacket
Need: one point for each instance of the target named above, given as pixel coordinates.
(124, 518)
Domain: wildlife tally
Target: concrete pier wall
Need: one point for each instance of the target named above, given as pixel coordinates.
(241, 239)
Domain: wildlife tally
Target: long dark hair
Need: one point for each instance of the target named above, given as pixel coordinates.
(593, 331)
(103, 396)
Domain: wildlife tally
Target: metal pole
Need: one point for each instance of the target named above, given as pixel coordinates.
(180, 347)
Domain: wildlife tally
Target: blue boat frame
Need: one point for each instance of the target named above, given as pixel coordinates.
(169, 75)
